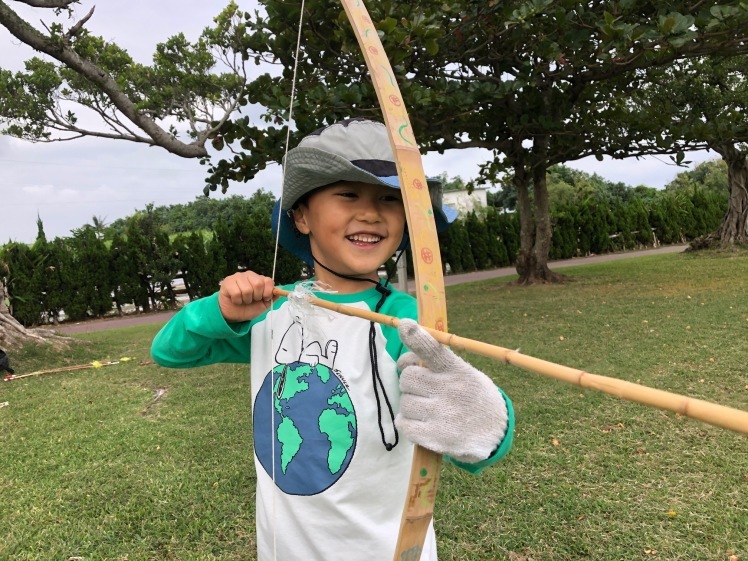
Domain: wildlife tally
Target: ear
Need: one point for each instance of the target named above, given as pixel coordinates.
(299, 219)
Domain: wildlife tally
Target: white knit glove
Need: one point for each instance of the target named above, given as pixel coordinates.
(447, 405)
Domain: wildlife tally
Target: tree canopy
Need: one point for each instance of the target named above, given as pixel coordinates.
(188, 91)
(537, 82)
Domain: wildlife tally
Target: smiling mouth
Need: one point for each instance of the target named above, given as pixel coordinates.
(364, 238)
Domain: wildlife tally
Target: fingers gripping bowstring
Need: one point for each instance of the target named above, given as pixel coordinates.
(272, 393)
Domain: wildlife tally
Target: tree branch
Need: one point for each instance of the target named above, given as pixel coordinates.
(58, 50)
(47, 3)
(73, 31)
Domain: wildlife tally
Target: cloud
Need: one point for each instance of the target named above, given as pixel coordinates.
(650, 171)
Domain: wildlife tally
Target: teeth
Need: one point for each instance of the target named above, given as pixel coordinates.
(365, 238)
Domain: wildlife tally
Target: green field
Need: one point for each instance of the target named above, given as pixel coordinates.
(93, 468)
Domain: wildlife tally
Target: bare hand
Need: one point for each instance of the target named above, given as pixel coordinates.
(244, 296)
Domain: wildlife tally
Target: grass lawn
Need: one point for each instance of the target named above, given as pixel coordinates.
(92, 467)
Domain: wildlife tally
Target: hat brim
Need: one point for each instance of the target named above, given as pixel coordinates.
(308, 168)
(298, 243)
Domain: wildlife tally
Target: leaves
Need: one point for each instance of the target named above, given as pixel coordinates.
(185, 84)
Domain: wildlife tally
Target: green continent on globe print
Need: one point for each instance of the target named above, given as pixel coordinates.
(304, 417)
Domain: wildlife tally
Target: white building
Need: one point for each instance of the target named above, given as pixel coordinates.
(465, 203)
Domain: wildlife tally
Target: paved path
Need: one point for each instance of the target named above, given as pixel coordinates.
(162, 317)
(507, 271)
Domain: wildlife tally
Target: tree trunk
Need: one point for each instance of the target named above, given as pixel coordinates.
(525, 257)
(734, 227)
(535, 221)
(14, 335)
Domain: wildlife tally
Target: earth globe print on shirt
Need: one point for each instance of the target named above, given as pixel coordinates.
(314, 431)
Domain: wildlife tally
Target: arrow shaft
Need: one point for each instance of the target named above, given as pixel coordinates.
(699, 409)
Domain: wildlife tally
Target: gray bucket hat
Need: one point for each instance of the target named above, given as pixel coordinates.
(350, 150)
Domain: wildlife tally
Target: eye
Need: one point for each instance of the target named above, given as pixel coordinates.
(392, 198)
(347, 194)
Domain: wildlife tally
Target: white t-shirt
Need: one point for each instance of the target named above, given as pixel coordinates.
(338, 493)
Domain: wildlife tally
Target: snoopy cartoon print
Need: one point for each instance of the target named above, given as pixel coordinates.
(293, 348)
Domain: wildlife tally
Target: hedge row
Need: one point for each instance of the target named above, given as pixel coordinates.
(88, 277)
(85, 276)
(592, 225)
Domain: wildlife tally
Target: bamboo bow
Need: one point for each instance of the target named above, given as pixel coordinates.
(432, 309)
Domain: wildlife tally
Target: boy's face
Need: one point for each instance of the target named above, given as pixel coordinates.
(353, 228)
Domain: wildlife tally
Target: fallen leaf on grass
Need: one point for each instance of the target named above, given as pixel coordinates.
(555, 442)
(611, 429)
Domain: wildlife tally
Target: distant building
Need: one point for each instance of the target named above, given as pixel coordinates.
(465, 203)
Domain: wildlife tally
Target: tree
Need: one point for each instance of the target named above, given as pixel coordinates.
(93, 284)
(24, 285)
(459, 255)
(124, 274)
(133, 102)
(452, 184)
(154, 260)
(99, 225)
(710, 175)
(535, 81)
(707, 103)
(496, 244)
(13, 334)
(58, 264)
(479, 241)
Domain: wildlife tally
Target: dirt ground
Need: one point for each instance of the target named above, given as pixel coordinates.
(163, 317)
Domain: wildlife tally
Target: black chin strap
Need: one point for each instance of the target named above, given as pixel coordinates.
(376, 379)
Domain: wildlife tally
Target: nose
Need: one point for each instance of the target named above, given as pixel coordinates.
(368, 211)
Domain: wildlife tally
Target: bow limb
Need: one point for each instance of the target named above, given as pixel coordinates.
(432, 309)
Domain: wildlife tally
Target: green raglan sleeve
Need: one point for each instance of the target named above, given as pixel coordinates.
(198, 335)
(503, 448)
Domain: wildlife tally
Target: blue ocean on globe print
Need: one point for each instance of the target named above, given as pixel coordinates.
(313, 427)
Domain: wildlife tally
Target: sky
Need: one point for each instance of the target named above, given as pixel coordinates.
(66, 184)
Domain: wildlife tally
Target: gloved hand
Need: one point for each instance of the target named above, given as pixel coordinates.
(447, 405)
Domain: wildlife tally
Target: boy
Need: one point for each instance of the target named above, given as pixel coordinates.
(334, 425)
